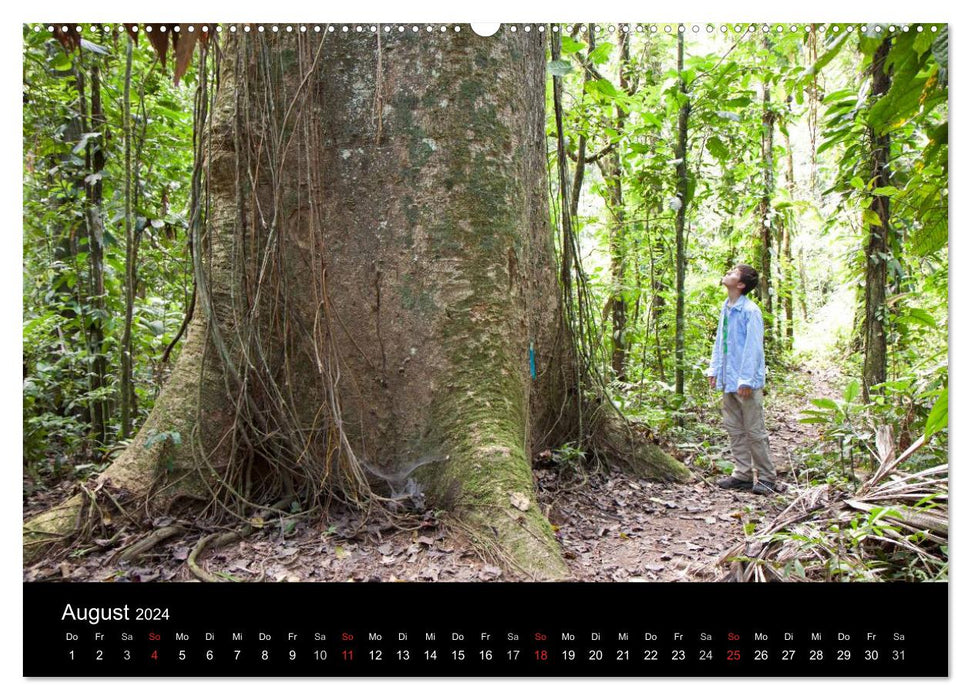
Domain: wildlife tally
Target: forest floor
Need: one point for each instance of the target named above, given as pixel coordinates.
(611, 527)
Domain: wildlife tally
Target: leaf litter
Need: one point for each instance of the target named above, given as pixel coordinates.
(611, 527)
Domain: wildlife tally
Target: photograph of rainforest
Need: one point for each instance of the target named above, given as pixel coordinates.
(597, 302)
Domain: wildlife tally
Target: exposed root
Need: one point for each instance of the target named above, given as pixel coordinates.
(630, 448)
(518, 544)
(192, 561)
(148, 543)
(221, 539)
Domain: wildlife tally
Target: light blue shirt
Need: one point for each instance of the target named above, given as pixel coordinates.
(744, 362)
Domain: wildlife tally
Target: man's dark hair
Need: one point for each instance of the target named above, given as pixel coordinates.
(748, 276)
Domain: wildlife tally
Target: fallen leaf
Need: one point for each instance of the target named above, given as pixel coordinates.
(490, 572)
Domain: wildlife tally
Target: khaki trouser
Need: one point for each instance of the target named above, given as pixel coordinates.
(749, 440)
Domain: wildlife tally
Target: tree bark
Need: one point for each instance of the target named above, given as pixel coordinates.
(786, 281)
(126, 389)
(765, 209)
(377, 263)
(94, 120)
(681, 157)
(877, 246)
(612, 172)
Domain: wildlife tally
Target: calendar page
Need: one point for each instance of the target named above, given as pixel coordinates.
(524, 349)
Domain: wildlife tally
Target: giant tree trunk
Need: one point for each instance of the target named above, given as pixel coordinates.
(377, 263)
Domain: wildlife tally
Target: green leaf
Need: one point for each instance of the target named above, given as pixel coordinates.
(61, 62)
(559, 68)
(830, 54)
(902, 101)
(872, 218)
(717, 148)
(857, 183)
(939, 51)
(923, 41)
(825, 403)
(852, 391)
(738, 102)
(921, 317)
(887, 191)
(937, 419)
(840, 95)
(932, 236)
(601, 54)
(568, 44)
(603, 87)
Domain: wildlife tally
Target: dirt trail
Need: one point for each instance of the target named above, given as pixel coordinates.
(612, 528)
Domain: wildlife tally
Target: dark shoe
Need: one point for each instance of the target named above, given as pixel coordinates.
(730, 482)
(768, 488)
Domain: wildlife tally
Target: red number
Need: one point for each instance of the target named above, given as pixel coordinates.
(734, 655)
(541, 655)
(155, 654)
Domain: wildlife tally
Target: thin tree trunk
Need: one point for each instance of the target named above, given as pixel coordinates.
(126, 387)
(611, 169)
(785, 260)
(877, 246)
(765, 207)
(803, 285)
(93, 120)
(563, 177)
(582, 141)
(681, 171)
(814, 98)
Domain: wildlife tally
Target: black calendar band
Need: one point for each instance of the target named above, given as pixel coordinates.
(487, 629)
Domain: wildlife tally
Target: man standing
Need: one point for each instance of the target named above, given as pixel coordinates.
(738, 369)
